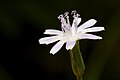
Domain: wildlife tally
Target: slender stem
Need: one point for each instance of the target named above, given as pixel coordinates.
(79, 77)
(77, 63)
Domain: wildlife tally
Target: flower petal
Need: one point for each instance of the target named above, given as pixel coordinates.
(57, 47)
(52, 32)
(48, 40)
(87, 24)
(76, 21)
(94, 29)
(89, 36)
(70, 44)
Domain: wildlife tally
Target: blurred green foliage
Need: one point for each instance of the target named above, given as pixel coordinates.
(3, 74)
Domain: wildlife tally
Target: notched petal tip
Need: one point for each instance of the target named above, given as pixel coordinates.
(100, 38)
(52, 53)
(69, 48)
(40, 41)
(93, 29)
(89, 36)
(103, 28)
(70, 45)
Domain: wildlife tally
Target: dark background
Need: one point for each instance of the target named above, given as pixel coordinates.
(22, 24)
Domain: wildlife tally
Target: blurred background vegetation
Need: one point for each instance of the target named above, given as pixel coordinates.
(22, 24)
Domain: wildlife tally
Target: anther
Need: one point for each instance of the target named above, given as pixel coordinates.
(66, 14)
(77, 15)
(60, 16)
(73, 12)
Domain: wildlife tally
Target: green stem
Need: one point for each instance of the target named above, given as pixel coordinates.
(79, 77)
(77, 63)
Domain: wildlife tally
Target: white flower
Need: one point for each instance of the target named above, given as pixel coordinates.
(70, 34)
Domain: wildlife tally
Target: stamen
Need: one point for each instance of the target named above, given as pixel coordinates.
(67, 17)
(66, 14)
(60, 16)
(63, 22)
(62, 19)
(75, 14)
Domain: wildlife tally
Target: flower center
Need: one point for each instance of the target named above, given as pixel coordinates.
(68, 30)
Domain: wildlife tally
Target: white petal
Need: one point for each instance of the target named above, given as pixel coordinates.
(75, 23)
(70, 45)
(94, 29)
(78, 21)
(87, 24)
(56, 47)
(48, 40)
(89, 36)
(52, 32)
